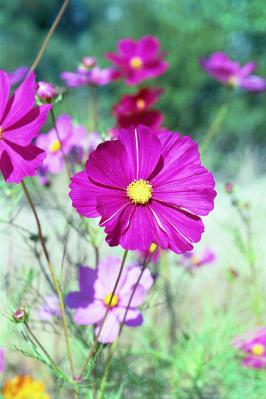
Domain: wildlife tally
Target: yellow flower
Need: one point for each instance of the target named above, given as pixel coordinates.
(24, 387)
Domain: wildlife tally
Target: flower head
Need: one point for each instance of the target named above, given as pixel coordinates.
(136, 109)
(89, 77)
(18, 74)
(253, 344)
(95, 297)
(72, 140)
(193, 260)
(146, 189)
(49, 308)
(139, 60)
(24, 386)
(45, 91)
(20, 122)
(229, 72)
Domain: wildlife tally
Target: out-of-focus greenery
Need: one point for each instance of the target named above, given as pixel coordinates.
(187, 29)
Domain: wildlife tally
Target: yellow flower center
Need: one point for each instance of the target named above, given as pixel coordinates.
(153, 247)
(140, 104)
(195, 260)
(55, 146)
(232, 82)
(111, 301)
(258, 349)
(21, 387)
(1, 133)
(136, 62)
(139, 191)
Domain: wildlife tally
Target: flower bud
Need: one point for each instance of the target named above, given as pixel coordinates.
(46, 92)
(89, 62)
(229, 188)
(21, 315)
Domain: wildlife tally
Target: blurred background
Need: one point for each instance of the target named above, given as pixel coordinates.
(188, 30)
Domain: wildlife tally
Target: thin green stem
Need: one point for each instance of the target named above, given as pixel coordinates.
(49, 35)
(53, 275)
(44, 350)
(91, 353)
(215, 127)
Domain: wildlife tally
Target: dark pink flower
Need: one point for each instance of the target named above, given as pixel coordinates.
(135, 109)
(20, 122)
(94, 295)
(86, 77)
(139, 60)
(18, 75)
(194, 260)
(46, 91)
(146, 189)
(229, 72)
(253, 344)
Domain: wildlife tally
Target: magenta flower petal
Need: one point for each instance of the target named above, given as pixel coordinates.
(18, 162)
(4, 89)
(127, 46)
(87, 278)
(143, 151)
(91, 314)
(21, 102)
(246, 69)
(110, 329)
(253, 83)
(106, 165)
(76, 300)
(27, 128)
(149, 47)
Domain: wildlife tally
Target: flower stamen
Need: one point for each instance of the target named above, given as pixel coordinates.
(136, 62)
(55, 146)
(258, 349)
(139, 191)
(1, 133)
(140, 104)
(111, 301)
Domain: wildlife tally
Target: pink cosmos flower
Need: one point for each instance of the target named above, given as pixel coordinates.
(72, 139)
(193, 260)
(139, 60)
(20, 122)
(18, 74)
(95, 292)
(86, 77)
(49, 308)
(2, 360)
(146, 189)
(46, 91)
(135, 109)
(229, 72)
(253, 344)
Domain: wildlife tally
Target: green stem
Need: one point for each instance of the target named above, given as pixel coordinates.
(53, 275)
(91, 353)
(215, 127)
